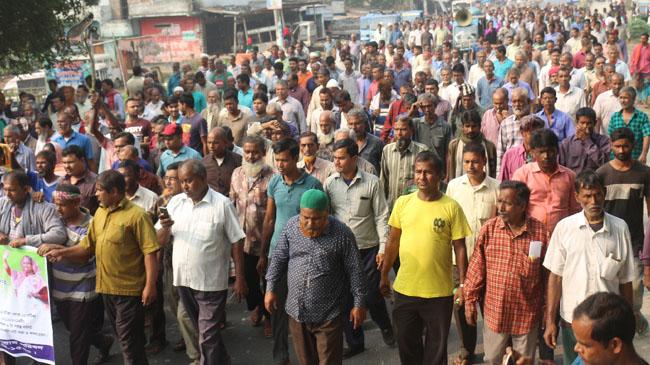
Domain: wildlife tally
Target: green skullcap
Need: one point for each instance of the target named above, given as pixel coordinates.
(314, 199)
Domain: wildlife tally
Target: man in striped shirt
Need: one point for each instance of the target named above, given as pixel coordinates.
(73, 286)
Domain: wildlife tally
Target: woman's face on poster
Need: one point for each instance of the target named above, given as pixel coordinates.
(26, 264)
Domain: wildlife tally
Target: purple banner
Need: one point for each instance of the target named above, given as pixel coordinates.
(40, 353)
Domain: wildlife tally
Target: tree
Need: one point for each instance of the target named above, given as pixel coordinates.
(32, 32)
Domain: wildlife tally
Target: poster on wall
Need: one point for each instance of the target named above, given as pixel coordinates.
(25, 319)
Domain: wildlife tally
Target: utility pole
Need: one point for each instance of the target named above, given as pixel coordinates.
(276, 6)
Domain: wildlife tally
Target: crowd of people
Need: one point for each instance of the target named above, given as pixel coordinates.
(509, 179)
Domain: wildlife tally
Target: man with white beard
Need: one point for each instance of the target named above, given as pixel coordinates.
(211, 113)
(155, 105)
(509, 132)
(325, 134)
(248, 192)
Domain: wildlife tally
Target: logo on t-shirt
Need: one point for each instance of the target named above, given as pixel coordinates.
(439, 225)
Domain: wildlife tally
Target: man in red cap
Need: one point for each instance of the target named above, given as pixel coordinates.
(176, 151)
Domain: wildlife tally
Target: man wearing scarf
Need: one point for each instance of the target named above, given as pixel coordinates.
(470, 133)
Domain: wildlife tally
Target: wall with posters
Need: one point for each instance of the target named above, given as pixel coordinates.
(169, 39)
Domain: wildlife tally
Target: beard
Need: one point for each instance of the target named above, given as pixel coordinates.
(252, 169)
(519, 113)
(309, 159)
(325, 139)
(402, 144)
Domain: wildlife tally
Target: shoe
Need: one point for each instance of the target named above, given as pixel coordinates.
(268, 329)
(349, 352)
(179, 346)
(156, 347)
(387, 335)
(105, 352)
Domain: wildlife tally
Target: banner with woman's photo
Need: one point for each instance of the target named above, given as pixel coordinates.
(25, 320)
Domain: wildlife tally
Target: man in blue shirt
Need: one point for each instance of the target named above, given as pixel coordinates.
(556, 120)
(487, 84)
(284, 192)
(245, 94)
(502, 64)
(176, 151)
(46, 182)
(66, 136)
(174, 79)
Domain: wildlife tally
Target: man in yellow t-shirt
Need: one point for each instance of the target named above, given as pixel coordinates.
(424, 226)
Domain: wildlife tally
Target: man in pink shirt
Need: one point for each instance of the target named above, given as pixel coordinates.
(518, 156)
(550, 184)
(492, 118)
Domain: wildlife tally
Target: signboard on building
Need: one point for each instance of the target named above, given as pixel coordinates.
(274, 4)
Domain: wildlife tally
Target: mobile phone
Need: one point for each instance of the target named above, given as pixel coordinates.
(508, 360)
(163, 211)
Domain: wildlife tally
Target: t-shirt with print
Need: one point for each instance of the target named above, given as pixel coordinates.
(194, 128)
(139, 129)
(425, 250)
(625, 198)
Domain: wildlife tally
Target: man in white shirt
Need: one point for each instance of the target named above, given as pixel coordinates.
(155, 105)
(292, 111)
(607, 103)
(206, 232)
(577, 75)
(590, 251)
(613, 57)
(139, 195)
(569, 98)
(476, 71)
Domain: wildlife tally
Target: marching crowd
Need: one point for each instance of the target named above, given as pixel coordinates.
(509, 179)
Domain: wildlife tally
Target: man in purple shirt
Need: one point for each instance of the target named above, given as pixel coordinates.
(519, 155)
(556, 120)
(586, 149)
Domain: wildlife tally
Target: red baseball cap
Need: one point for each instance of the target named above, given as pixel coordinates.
(172, 129)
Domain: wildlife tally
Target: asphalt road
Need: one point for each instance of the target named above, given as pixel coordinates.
(247, 345)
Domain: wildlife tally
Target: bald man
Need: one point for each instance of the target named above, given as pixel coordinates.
(220, 161)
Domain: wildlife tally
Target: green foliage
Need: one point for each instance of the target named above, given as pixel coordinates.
(637, 27)
(32, 32)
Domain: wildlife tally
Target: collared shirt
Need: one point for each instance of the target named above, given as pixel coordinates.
(490, 125)
(86, 185)
(588, 261)
(485, 89)
(203, 235)
(348, 82)
(293, 113)
(512, 160)
(642, 63)
(364, 88)
(436, 136)
(302, 95)
(121, 237)
(372, 149)
(479, 203)
(551, 196)
(287, 200)
(560, 123)
(476, 72)
(621, 68)
(570, 101)
(315, 268)
(508, 136)
(396, 173)
(605, 106)
(220, 173)
(75, 139)
(321, 169)
(402, 77)
(145, 199)
(25, 157)
(361, 204)
(249, 197)
(502, 276)
(639, 124)
(238, 125)
(588, 154)
(168, 157)
(578, 79)
(509, 86)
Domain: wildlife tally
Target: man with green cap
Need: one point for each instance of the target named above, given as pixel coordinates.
(316, 252)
